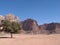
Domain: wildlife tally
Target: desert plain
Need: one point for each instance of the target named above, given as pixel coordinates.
(29, 39)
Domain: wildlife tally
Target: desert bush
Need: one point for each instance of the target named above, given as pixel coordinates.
(11, 27)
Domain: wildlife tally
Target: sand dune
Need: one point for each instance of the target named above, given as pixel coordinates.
(21, 39)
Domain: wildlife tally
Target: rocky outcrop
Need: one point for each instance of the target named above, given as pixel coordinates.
(42, 29)
(57, 28)
(11, 18)
(50, 28)
(1, 18)
(30, 25)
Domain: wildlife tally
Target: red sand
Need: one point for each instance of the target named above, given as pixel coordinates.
(21, 39)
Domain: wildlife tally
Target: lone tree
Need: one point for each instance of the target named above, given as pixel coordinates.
(51, 28)
(11, 27)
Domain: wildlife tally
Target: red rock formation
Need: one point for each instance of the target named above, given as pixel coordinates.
(54, 27)
(42, 29)
(30, 25)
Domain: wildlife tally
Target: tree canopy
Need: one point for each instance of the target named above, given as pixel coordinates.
(11, 26)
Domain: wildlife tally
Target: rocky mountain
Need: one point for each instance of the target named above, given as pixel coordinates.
(11, 18)
(50, 28)
(42, 29)
(30, 25)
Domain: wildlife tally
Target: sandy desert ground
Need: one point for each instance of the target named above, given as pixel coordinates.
(22, 39)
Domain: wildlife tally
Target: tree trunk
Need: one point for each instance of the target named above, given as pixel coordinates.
(11, 35)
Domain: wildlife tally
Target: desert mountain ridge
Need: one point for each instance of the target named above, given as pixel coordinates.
(31, 26)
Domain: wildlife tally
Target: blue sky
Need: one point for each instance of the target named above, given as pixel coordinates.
(43, 11)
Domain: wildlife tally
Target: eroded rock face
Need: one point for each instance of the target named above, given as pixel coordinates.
(57, 28)
(35, 27)
(42, 29)
(11, 18)
(30, 25)
(1, 18)
(49, 28)
(27, 25)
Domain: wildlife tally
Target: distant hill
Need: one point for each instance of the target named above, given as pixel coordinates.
(31, 25)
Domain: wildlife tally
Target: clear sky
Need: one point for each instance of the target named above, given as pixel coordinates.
(43, 11)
